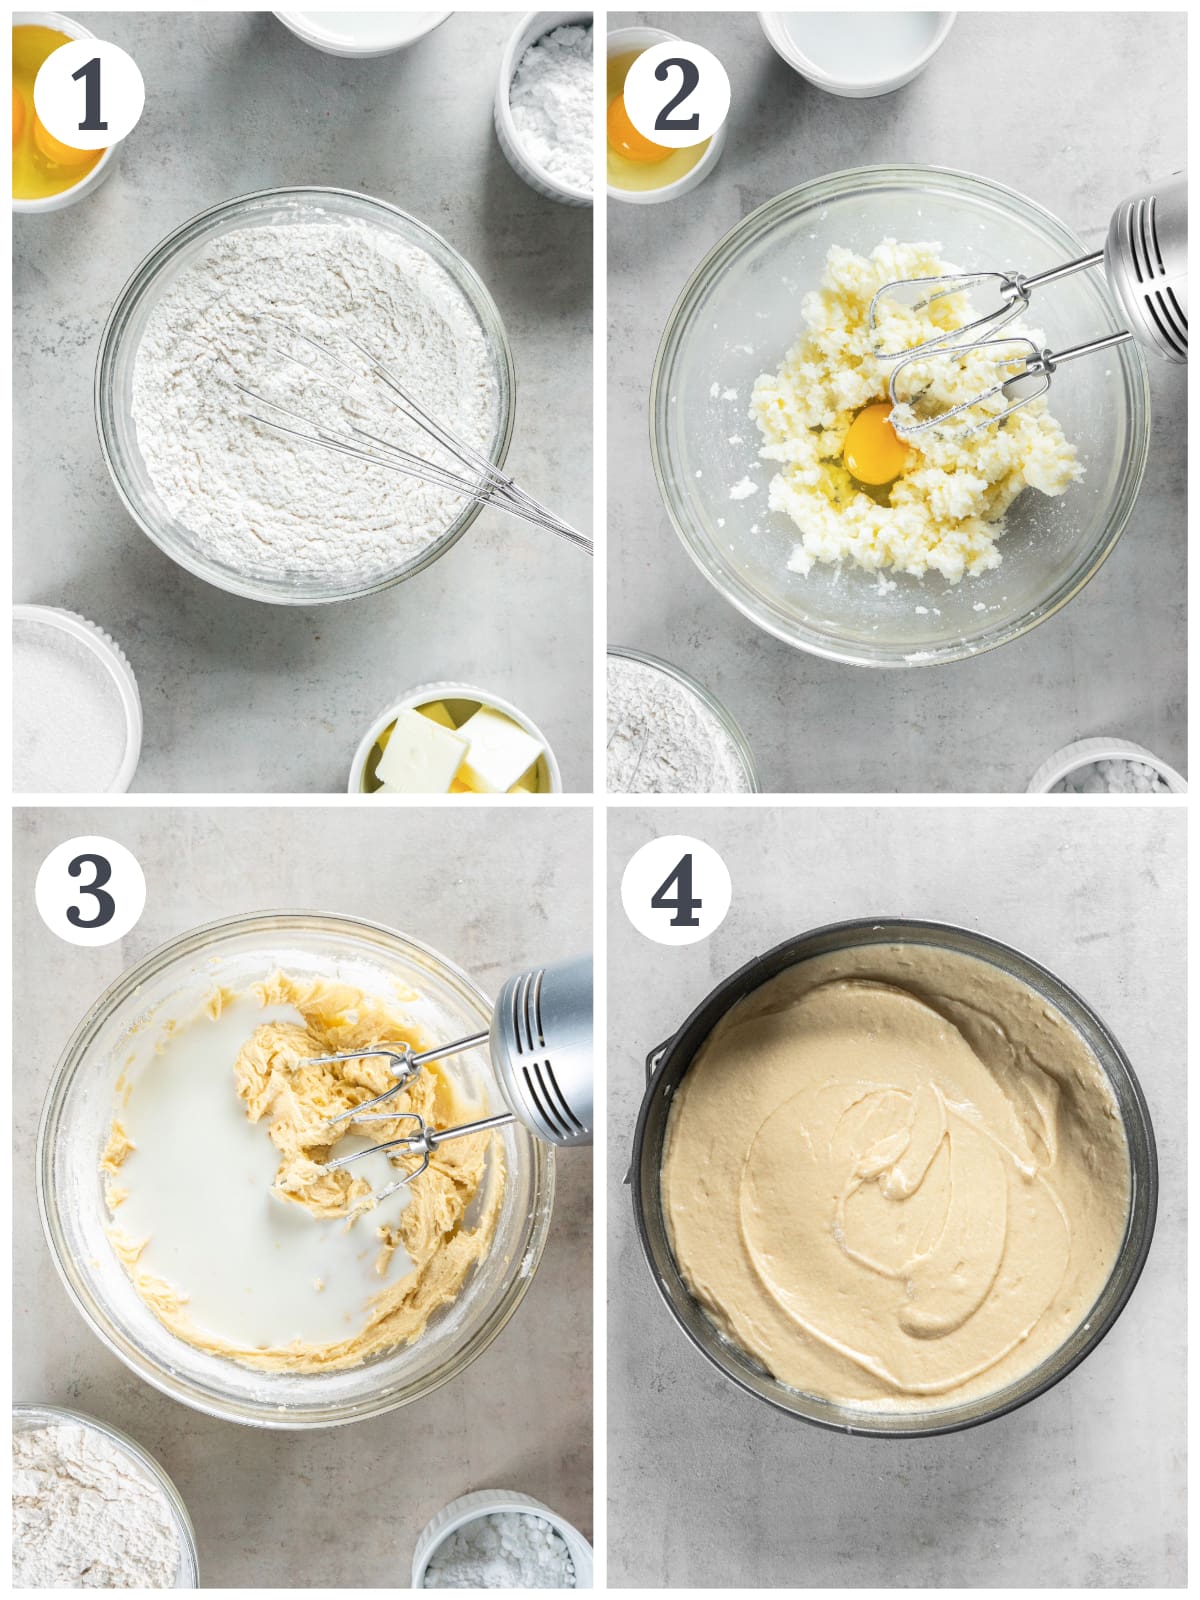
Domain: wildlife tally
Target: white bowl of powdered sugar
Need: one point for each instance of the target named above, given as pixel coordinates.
(545, 105)
(275, 296)
(91, 1510)
(499, 1539)
(77, 715)
(668, 735)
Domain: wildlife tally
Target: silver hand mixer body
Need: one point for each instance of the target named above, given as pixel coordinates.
(1145, 264)
(540, 1042)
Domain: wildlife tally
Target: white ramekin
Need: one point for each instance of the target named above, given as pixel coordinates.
(620, 41)
(332, 44)
(114, 661)
(421, 695)
(534, 25)
(489, 1502)
(1086, 752)
(774, 26)
(107, 162)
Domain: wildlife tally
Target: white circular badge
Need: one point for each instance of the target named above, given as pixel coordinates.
(677, 94)
(89, 94)
(90, 890)
(676, 890)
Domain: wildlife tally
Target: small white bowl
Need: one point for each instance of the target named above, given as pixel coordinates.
(107, 162)
(534, 25)
(1086, 752)
(421, 696)
(905, 68)
(489, 1502)
(391, 30)
(114, 662)
(620, 42)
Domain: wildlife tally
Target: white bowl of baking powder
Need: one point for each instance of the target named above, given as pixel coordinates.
(545, 104)
(471, 1508)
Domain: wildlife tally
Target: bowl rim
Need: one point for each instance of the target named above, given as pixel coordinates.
(750, 976)
(445, 689)
(328, 43)
(712, 152)
(113, 659)
(707, 698)
(467, 281)
(530, 27)
(835, 184)
(252, 1412)
(28, 1414)
(480, 1503)
(853, 88)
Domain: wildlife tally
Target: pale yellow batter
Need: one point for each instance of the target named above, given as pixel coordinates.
(896, 1177)
(293, 1099)
(945, 512)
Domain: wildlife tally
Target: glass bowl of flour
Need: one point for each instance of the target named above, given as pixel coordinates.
(264, 294)
(740, 312)
(114, 1060)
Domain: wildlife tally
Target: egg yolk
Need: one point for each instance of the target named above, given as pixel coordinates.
(624, 138)
(873, 452)
(18, 119)
(54, 150)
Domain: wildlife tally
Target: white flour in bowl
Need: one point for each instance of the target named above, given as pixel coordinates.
(551, 99)
(269, 506)
(86, 1515)
(663, 739)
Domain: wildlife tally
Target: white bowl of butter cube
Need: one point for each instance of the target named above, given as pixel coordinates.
(453, 738)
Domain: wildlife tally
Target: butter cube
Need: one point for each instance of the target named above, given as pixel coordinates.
(421, 756)
(526, 785)
(436, 712)
(499, 753)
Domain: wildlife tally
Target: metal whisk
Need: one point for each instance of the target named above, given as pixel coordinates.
(540, 1041)
(480, 480)
(1145, 262)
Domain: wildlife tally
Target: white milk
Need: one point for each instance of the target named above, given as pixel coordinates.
(861, 46)
(199, 1186)
(369, 29)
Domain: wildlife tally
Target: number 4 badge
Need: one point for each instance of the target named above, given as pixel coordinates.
(676, 890)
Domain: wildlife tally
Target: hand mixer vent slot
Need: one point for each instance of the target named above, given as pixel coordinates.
(548, 1098)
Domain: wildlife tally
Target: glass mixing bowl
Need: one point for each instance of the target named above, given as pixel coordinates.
(29, 1418)
(123, 334)
(127, 1020)
(736, 318)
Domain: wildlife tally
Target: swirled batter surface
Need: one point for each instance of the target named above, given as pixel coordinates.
(897, 1177)
(223, 1215)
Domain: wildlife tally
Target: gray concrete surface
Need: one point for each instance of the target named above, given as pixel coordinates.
(341, 1507)
(1086, 1486)
(1075, 111)
(240, 696)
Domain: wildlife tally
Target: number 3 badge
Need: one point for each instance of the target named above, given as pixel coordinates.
(676, 890)
(90, 891)
(677, 94)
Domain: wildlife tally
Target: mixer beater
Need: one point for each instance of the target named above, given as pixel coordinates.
(540, 1041)
(1145, 263)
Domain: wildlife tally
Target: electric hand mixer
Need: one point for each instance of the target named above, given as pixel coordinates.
(540, 1042)
(1145, 262)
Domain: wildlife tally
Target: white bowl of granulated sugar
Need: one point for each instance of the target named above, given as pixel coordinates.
(545, 105)
(77, 714)
(499, 1539)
